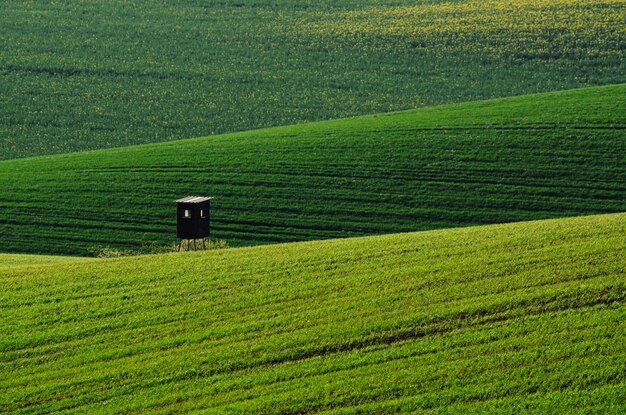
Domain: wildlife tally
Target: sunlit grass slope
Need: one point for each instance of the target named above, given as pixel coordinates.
(79, 75)
(17, 260)
(523, 158)
(514, 318)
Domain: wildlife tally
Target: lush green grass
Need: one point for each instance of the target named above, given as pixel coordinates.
(108, 73)
(514, 318)
(550, 155)
(16, 260)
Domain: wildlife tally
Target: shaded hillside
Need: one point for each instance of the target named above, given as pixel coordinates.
(514, 159)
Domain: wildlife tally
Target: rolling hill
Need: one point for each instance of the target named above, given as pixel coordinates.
(514, 159)
(513, 318)
(110, 73)
(17, 260)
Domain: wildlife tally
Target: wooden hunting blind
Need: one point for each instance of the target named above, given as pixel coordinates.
(193, 217)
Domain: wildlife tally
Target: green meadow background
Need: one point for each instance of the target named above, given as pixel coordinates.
(93, 74)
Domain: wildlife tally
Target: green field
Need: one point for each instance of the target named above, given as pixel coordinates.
(418, 207)
(521, 158)
(109, 73)
(513, 318)
(17, 260)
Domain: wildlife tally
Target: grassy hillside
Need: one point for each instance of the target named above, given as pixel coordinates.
(514, 318)
(551, 155)
(14, 260)
(110, 73)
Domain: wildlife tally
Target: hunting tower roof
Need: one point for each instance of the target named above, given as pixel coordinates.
(193, 199)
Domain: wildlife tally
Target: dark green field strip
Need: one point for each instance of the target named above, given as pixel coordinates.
(370, 175)
(465, 318)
